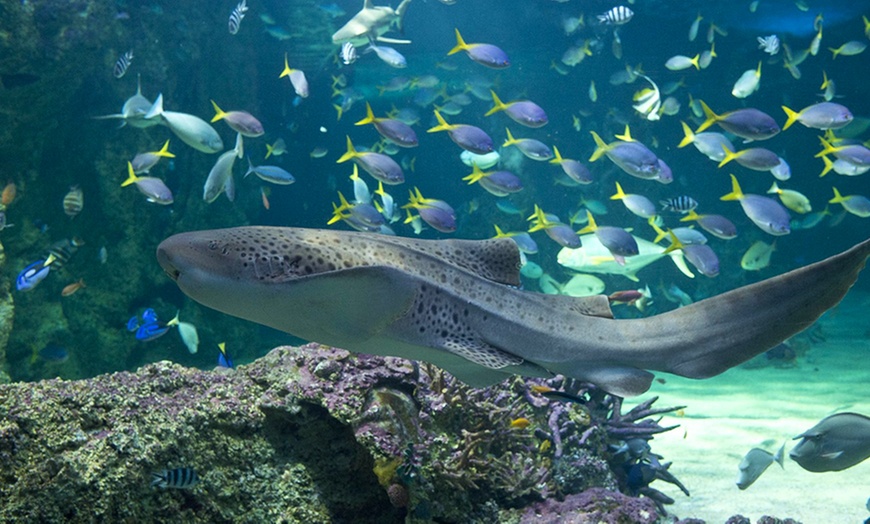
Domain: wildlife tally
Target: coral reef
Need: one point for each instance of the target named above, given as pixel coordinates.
(277, 440)
(7, 312)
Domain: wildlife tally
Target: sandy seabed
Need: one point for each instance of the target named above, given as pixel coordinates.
(744, 408)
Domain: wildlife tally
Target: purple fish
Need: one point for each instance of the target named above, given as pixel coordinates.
(393, 130)
(764, 212)
(469, 138)
(240, 121)
(716, 225)
(531, 148)
(498, 183)
(484, 54)
(748, 123)
(632, 157)
(154, 189)
(756, 158)
(378, 165)
(618, 241)
(523, 112)
(564, 235)
(703, 258)
(824, 115)
(575, 170)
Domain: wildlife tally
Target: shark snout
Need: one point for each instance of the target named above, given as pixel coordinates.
(165, 257)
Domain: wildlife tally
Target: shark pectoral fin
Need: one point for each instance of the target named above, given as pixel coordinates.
(483, 364)
(616, 380)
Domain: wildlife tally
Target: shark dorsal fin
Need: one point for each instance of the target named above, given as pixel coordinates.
(592, 306)
(495, 259)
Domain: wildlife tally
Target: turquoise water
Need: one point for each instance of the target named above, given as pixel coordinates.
(59, 73)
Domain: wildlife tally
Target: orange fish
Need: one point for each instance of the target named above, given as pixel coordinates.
(9, 193)
(72, 288)
(541, 389)
(265, 196)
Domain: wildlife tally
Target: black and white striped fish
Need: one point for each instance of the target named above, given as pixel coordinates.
(680, 204)
(348, 53)
(122, 64)
(617, 16)
(178, 478)
(236, 17)
(73, 202)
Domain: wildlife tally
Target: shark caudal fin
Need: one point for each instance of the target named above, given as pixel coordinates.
(711, 336)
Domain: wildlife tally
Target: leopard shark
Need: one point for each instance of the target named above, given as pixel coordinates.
(371, 23)
(458, 304)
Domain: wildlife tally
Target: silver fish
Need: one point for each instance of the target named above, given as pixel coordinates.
(755, 463)
(348, 53)
(457, 304)
(770, 44)
(122, 64)
(236, 17)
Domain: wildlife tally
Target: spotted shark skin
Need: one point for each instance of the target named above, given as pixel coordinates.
(457, 304)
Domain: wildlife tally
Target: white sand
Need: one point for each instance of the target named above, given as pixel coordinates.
(741, 409)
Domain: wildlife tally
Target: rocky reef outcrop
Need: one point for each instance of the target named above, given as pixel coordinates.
(312, 434)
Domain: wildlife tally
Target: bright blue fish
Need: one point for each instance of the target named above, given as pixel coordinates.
(224, 359)
(32, 275)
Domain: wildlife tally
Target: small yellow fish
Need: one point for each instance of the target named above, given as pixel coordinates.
(545, 446)
(520, 423)
(540, 389)
(850, 48)
(792, 199)
(9, 193)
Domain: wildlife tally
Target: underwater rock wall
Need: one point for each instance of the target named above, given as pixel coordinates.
(7, 312)
(309, 434)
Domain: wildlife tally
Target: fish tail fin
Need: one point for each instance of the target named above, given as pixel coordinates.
(251, 168)
(350, 154)
(131, 176)
(828, 166)
(835, 51)
(695, 62)
(600, 147)
(219, 114)
(175, 320)
(838, 198)
(557, 158)
(497, 104)
(626, 137)
(269, 149)
(338, 110)
(736, 193)
(792, 117)
(774, 189)
(499, 233)
(156, 108)
(620, 194)
(675, 242)
(729, 155)
(711, 117)
(749, 320)
(164, 151)
(660, 233)
(690, 216)
(689, 135)
(510, 138)
(286, 71)
(460, 44)
(370, 116)
(475, 176)
(827, 148)
(442, 124)
(591, 226)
